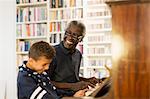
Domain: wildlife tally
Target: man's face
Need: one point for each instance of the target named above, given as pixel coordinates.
(41, 64)
(71, 38)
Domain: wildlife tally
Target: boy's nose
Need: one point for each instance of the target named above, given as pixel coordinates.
(46, 67)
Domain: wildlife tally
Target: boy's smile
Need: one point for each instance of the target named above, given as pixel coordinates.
(39, 65)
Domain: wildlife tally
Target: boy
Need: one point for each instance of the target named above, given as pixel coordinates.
(33, 81)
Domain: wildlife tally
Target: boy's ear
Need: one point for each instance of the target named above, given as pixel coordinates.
(31, 60)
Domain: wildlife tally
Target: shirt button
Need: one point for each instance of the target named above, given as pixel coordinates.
(39, 80)
(54, 87)
(35, 73)
(44, 83)
(21, 69)
(29, 74)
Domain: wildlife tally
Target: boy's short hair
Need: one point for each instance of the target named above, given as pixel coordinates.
(40, 49)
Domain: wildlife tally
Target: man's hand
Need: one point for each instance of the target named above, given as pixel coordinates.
(93, 80)
(81, 85)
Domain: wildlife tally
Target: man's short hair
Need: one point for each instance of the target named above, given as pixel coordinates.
(80, 25)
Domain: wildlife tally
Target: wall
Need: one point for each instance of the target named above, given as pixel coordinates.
(7, 50)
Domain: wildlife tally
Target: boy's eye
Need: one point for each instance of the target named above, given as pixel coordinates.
(44, 64)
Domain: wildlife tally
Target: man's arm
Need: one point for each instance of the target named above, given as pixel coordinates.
(92, 80)
(62, 85)
(73, 86)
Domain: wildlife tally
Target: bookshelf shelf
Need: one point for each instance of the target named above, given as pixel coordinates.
(82, 68)
(101, 30)
(67, 20)
(25, 53)
(99, 18)
(32, 4)
(33, 22)
(66, 8)
(98, 55)
(32, 37)
(98, 43)
(97, 5)
(95, 67)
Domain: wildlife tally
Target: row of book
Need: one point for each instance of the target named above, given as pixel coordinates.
(21, 58)
(57, 26)
(24, 45)
(66, 14)
(95, 2)
(28, 1)
(103, 49)
(56, 37)
(101, 38)
(31, 14)
(65, 3)
(26, 30)
(99, 61)
(98, 13)
(100, 25)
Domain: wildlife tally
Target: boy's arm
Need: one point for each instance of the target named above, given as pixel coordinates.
(29, 89)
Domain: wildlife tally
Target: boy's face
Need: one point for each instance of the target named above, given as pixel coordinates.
(40, 65)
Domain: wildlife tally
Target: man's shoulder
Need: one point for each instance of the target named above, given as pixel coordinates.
(78, 52)
(57, 46)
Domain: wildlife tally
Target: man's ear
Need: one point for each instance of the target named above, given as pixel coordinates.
(81, 38)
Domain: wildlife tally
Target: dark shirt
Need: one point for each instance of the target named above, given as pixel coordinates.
(65, 66)
(31, 85)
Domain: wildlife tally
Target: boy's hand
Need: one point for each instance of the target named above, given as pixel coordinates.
(80, 93)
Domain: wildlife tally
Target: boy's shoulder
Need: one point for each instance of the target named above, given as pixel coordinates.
(23, 75)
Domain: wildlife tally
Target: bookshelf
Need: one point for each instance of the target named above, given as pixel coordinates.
(31, 25)
(47, 19)
(97, 46)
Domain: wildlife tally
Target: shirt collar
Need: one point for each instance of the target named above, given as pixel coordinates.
(66, 51)
(30, 70)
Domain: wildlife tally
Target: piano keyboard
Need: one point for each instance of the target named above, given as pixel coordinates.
(91, 90)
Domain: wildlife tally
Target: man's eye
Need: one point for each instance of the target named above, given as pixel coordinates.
(74, 34)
